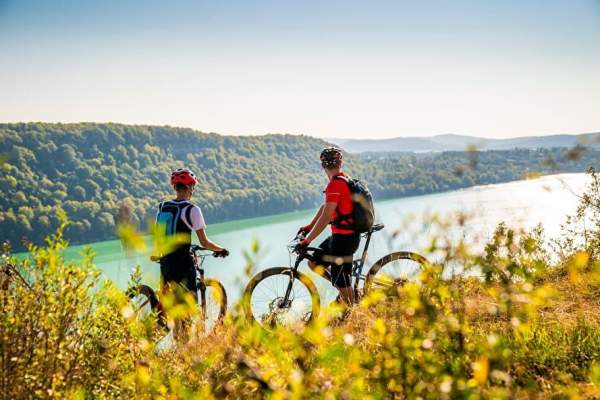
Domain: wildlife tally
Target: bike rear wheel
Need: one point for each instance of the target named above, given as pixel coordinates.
(212, 301)
(146, 305)
(265, 303)
(394, 270)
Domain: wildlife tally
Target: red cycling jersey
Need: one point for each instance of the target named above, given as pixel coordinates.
(337, 191)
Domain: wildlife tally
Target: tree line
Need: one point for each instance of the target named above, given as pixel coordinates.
(100, 173)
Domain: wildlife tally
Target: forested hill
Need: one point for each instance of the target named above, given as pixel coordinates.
(91, 169)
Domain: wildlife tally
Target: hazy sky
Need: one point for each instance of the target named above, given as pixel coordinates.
(332, 69)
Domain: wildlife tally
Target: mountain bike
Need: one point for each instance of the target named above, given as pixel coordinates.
(287, 297)
(211, 296)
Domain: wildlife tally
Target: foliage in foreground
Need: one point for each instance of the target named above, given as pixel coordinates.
(527, 326)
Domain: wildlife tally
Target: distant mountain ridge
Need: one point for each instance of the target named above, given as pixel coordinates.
(453, 142)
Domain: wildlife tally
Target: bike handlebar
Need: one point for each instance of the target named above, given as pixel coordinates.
(298, 238)
(193, 250)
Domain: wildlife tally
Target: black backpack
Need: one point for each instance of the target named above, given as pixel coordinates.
(363, 212)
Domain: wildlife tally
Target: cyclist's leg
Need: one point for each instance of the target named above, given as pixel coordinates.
(179, 278)
(342, 281)
(342, 252)
(189, 281)
(317, 265)
(178, 275)
(165, 277)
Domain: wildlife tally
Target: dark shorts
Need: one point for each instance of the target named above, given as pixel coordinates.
(337, 254)
(179, 270)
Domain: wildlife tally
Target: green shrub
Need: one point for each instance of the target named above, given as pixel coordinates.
(61, 330)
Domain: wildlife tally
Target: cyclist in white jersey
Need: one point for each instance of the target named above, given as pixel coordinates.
(181, 217)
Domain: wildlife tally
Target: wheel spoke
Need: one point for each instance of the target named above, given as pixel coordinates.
(141, 306)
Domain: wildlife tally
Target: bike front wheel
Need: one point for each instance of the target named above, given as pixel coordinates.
(212, 301)
(395, 270)
(281, 297)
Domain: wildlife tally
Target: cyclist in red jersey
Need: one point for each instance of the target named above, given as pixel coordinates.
(334, 261)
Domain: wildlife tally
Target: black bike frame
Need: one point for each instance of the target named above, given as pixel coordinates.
(198, 261)
(357, 266)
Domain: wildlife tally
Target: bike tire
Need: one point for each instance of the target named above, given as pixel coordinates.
(148, 296)
(219, 296)
(376, 268)
(284, 271)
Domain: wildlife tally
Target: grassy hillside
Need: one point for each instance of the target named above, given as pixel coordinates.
(99, 173)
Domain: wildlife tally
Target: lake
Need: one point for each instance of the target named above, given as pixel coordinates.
(524, 204)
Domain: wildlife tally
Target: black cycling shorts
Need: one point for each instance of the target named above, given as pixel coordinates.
(337, 252)
(179, 269)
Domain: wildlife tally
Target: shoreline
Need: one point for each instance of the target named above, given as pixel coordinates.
(245, 223)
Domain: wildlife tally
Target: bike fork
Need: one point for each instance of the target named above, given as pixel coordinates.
(286, 298)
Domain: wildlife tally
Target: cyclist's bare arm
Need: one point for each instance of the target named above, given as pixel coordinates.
(322, 220)
(317, 215)
(206, 242)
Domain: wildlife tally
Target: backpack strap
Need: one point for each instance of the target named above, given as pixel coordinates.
(342, 177)
(343, 217)
(187, 215)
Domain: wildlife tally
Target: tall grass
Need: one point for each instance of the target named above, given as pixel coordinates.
(524, 324)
